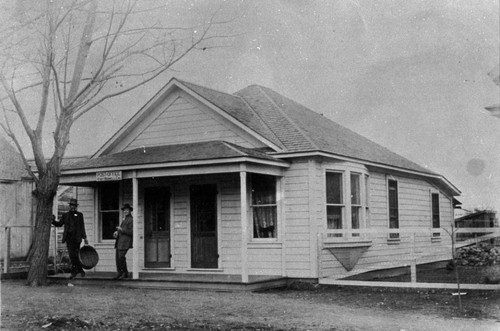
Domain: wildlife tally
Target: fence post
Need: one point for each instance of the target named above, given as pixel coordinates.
(413, 263)
(55, 250)
(6, 260)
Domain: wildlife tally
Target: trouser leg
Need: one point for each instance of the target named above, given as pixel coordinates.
(121, 261)
(73, 251)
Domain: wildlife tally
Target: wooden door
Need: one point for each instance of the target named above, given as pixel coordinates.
(157, 227)
(203, 202)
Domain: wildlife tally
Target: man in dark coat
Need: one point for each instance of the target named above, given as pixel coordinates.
(74, 232)
(123, 235)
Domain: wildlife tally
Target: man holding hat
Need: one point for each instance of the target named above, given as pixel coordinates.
(123, 235)
(74, 232)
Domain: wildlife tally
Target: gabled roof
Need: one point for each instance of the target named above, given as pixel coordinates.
(288, 127)
(201, 151)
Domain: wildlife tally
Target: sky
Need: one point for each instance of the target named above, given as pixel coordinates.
(411, 75)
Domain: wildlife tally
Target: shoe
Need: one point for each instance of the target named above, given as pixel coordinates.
(125, 275)
(72, 276)
(119, 276)
(82, 273)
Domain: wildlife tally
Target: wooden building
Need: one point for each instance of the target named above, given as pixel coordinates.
(253, 183)
(17, 203)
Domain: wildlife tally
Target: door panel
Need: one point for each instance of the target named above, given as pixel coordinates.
(157, 227)
(204, 250)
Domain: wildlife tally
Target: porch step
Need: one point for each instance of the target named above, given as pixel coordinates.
(167, 283)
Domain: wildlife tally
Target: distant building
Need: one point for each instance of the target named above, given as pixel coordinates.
(477, 219)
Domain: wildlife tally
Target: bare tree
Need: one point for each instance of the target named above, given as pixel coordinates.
(62, 59)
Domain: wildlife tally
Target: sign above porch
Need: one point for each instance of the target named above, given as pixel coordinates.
(104, 176)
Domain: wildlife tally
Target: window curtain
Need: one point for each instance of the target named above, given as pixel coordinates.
(264, 206)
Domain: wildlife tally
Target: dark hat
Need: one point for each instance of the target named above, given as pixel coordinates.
(73, 202)
(127, 206)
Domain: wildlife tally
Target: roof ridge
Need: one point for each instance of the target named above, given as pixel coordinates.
(261, 120)
(204, 87)
(261, 88)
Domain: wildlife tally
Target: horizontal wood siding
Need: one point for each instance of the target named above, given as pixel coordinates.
(182, 121)
(414, 224)
(297, 220)
(264, 261)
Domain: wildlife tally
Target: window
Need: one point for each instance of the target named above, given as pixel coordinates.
(435, 211)
(109, 209)
(346, 203)
(393, 205)
(264, 207)
(334, 200)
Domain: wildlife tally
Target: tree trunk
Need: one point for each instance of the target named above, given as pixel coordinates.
(44, 192)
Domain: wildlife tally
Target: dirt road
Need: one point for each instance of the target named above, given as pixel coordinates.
(62, 307)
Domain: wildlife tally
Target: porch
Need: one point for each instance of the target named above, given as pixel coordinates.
(179, 281)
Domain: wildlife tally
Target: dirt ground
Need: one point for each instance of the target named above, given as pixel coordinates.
(300, 307)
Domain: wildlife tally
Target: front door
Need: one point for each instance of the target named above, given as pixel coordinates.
(204, 252)
(157, 227)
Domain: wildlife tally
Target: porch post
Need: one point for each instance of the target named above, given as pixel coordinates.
(135, 237)
(244, 225)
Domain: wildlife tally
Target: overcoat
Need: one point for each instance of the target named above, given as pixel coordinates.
(74, 227)
(124, 238)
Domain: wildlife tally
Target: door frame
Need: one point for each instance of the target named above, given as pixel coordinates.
(218, 200)
(171, 188)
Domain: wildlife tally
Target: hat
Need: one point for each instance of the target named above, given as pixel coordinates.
(73, 202)
(127, 206)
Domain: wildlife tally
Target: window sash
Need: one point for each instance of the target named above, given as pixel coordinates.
(264, 206)
(435, 211)
(393, 205)
(109, 211)
(355, 189)
(334, 188)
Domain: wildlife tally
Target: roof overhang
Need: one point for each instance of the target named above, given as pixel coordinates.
(453, 189)
(143, 112)
(88, 176)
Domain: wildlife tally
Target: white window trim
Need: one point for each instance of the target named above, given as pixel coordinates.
(97, 215)
(279, 202)
(346, 170)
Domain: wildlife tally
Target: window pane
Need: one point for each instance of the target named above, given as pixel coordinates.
(334, 217)
(109, 196)
(355, 189)
(264, 220)
(355, 215)
(334, 187)
(109, 223)
(263, 189)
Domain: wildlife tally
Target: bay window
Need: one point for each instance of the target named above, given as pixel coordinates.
(346, 202)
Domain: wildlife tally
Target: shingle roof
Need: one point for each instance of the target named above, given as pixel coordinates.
(171, 153)
(309, 130)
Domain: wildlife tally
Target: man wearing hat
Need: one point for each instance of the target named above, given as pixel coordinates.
(74, 232)
(123, 235)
